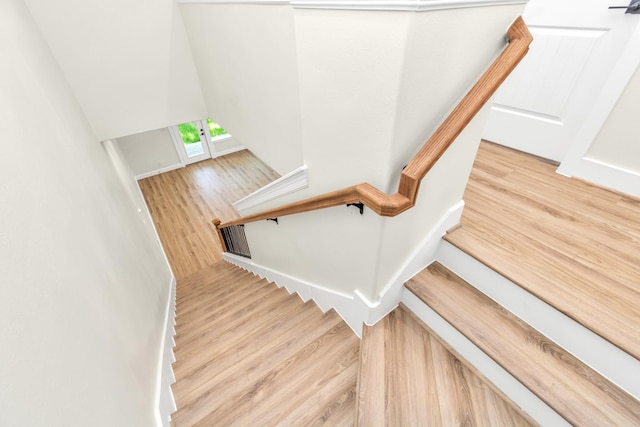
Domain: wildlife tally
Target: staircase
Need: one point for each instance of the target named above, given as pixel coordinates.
(528, 316)
(548, 309)
(248, 353)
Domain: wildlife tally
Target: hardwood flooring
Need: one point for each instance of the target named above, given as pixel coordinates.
(574, 390)
(248, 354)
(408, 378)
(574, 245)
(183, 202)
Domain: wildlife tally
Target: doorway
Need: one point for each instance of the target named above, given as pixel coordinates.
(197, 140)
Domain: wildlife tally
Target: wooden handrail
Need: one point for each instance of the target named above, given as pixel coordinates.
(405, 198)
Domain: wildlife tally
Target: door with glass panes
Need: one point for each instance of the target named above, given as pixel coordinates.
(195, 140)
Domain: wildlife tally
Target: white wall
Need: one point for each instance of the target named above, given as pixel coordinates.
(149, 151)
(350, 65)
(246, 59)
(127, 61)
(618, 142)
(84, 285)
(373, 87)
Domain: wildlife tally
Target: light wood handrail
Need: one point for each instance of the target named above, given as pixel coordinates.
(405, 198)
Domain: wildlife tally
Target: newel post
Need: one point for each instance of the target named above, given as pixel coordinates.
(216, 223)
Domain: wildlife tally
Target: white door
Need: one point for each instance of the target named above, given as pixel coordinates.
(576, 45)
(191, 141)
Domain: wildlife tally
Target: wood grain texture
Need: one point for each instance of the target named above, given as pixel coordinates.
(391, 205)
(575, 391)
(574, 245)
(248, 353)
(408, 378)
(183, 201)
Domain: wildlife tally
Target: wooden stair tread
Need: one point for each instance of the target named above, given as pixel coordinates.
(248, 353)
(407, 377)
(574, 390)
(561, 239)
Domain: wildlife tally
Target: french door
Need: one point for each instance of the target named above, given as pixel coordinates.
(192, 141)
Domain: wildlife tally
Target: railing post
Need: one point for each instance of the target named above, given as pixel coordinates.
(216, 223)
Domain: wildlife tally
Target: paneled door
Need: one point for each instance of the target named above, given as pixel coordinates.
(542, 105)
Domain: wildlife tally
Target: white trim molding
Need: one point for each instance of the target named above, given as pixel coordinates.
(159, 171)
(289, 183)
(575, 163)
(389, 5)
(352, 309)
(523, 398)
(604, 175)
(266, 2)
(402, 5)
(166, 403)
(356, 309)
(610, 361)
(421, 258)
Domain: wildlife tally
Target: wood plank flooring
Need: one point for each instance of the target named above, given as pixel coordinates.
(574, 245)
(575, 391)
(183, 202)
(408, 378)
(248, 354)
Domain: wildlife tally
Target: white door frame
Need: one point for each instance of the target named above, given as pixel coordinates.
(180, 146)
(575, 163)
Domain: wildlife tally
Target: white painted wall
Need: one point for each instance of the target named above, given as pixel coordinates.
(147, 152)
(128, 62)
(618, 142)
(435, 77)
(373, 87)
(84, 285)
(246, 59)
(350, 65)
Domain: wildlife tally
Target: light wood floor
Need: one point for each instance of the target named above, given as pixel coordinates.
(408, 378)
(183, 202)
(249, 354)
(574, 245)
(575, 391)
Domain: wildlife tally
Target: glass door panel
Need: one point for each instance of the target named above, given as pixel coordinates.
(194, 146)
(215, 129)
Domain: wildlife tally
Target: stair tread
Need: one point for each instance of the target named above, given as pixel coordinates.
(572, 389)
(561, 239)
(259, 358)
(407, 377)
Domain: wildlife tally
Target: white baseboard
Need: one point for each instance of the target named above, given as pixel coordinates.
(422, 257)
(165, 401)
(356, 309)
(159, 171)
(503, 380)
(603, 174)
(229, 151)
(289, 183)
(348, 307)
(596, 352)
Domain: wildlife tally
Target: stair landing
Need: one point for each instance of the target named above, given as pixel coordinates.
(408, 378)
(574, 245)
